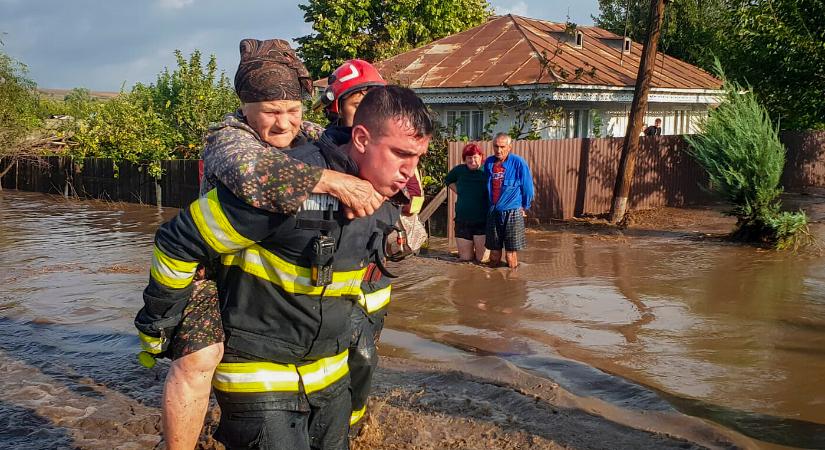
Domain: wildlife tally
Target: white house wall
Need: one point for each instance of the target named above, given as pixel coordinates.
(681, 110)
(676, 119)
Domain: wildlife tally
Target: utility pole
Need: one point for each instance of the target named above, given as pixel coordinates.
(630, 148)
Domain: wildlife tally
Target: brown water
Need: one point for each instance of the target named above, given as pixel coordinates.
(656, 322)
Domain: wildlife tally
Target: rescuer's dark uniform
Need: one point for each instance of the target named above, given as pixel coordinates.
(367, 321)
(284, 378)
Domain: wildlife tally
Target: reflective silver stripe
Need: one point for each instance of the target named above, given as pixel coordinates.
(262, 376)
(214, 226)
(374, 301)
(322, 373)
(319, 202)
(284, 378)
(295, 279)
(171, 272)
(150, 343)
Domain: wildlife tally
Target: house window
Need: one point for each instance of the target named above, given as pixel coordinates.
(578, 123)
(678, 122)
(627, 45)
(579, 38)
(466, 123)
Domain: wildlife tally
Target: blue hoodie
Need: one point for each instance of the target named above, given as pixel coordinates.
(517, 188)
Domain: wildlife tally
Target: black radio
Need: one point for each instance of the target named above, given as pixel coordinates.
(323, 247)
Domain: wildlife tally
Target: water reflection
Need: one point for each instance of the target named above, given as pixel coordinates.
(708, 326)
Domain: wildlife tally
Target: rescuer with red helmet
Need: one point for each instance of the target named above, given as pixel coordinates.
(346, 86)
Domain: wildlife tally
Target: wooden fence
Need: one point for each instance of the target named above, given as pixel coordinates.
(805, 162)
(95, 178)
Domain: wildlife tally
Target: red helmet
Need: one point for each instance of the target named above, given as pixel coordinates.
(354, 75)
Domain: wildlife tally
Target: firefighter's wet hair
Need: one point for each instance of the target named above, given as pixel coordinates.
(393, 102)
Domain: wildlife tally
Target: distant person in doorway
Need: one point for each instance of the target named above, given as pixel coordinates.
(510, 186)
(469, 182)
(655, 129)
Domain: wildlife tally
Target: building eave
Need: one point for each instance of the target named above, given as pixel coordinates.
(567, 93)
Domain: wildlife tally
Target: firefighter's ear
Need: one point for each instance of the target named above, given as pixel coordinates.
(360, 138)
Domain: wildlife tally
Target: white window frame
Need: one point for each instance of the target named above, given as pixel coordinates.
(474, 127)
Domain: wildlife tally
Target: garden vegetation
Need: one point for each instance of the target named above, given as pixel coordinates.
(739, 148)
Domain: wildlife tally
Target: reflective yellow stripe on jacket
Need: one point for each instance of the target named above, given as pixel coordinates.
(294, 279)
(374, 301)
(324, 372)
(171, 272)
(150, 344)
(214, 226)
(416, 201)
(357, 415)
(273, 377)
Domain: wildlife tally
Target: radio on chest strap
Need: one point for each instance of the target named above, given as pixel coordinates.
(323, 246)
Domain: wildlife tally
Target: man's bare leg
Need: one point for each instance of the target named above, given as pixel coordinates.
(495, 258)
(186, 396)
(512, 259)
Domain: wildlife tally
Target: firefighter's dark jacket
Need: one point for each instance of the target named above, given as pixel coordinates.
(270, 309)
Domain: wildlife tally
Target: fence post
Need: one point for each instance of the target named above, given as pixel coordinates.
(158, 193)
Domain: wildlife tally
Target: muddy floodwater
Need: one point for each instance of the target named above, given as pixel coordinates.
(657, 322)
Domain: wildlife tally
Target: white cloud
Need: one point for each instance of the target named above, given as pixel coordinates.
(518, 8)
(175, 4)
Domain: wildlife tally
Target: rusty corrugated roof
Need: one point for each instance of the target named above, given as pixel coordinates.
(506, 49)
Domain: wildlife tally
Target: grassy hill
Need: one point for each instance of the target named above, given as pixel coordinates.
(59, 94)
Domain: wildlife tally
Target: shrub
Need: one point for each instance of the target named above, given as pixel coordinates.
(123, 129)
(189, 99)
(433, 165)
(167, 119)
(739, 148)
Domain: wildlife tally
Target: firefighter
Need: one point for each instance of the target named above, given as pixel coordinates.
(288, 284)
(346, 87)
(243, 153)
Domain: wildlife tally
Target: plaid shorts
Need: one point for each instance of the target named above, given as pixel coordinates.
(505, 229)
(201, 325)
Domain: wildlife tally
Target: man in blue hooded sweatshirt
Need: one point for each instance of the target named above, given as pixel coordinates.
(511, 191)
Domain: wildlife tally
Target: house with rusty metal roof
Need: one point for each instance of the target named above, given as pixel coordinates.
(588, 72)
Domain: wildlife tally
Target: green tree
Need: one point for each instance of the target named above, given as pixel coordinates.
(167, 119)
(624, 17)
(19, 111)
(778, 47)
(124, 129)
(775, 46)
(739, 148)
(375, 30)
(78, 102)
(693, 30)
(189, 99)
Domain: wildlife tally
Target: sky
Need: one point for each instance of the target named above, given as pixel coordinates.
(105, 45)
